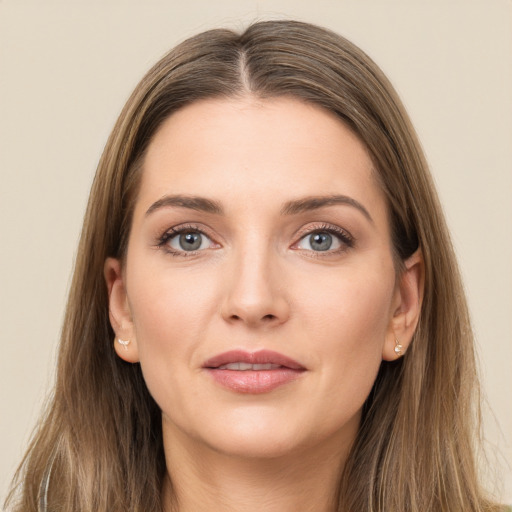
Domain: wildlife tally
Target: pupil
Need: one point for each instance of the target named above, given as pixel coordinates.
(190, 241)
(321, 241)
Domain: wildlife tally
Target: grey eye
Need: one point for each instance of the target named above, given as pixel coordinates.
(319, 241)
(189, 241)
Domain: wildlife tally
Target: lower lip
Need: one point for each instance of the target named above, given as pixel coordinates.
(254, 381)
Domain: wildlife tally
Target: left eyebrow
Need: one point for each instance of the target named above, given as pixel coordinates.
(201, 204)
(315, 202)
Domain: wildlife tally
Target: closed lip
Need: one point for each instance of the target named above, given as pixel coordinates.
(258, 357)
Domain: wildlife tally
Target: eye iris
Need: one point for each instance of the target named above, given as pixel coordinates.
(320, 241)
(190, 241)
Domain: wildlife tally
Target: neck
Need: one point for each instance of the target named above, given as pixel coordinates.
(204, 480)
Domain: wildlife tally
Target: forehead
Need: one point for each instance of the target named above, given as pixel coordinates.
(282, 148)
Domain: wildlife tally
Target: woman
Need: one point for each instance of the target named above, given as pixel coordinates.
(266, 312)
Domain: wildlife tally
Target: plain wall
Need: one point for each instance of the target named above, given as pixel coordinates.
(66, 69)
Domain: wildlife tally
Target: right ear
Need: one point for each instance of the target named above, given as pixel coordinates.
(119, 312)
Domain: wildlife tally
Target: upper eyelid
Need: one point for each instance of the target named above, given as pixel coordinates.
(174, 231)
(324, 226)
(345, 238)
(186, 226)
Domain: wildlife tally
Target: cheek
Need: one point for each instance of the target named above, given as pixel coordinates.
(170, 312)
(350, 319)
(351, 304)
(350, 340)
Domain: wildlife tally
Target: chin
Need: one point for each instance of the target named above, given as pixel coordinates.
(241, 433)
(265, 434)
(259, 444)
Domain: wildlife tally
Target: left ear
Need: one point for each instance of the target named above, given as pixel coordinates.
(406, 307)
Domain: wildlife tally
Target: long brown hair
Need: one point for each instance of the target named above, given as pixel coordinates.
(99, 446)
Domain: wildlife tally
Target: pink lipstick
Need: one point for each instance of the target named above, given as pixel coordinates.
(253, 372)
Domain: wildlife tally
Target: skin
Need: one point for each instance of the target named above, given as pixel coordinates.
(257, 282)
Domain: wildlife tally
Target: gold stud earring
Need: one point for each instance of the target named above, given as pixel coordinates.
(124, 343)
(398, 348)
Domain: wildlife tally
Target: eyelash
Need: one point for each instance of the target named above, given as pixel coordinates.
(346, 239)
(163, 242)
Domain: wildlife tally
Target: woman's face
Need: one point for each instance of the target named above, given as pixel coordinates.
(259, 291)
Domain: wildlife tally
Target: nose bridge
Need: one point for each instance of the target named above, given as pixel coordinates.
(255, 293)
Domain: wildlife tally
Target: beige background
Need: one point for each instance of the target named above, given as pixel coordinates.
(66, 69)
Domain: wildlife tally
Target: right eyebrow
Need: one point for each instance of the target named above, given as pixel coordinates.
(191, 202)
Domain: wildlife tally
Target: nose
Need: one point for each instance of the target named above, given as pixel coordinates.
(255, 295)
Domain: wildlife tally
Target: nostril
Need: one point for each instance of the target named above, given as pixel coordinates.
(253, 312)
(266, 318)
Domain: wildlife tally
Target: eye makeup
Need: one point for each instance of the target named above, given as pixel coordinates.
(318, 240)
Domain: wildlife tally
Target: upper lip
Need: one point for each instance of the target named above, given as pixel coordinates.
(259, 357)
